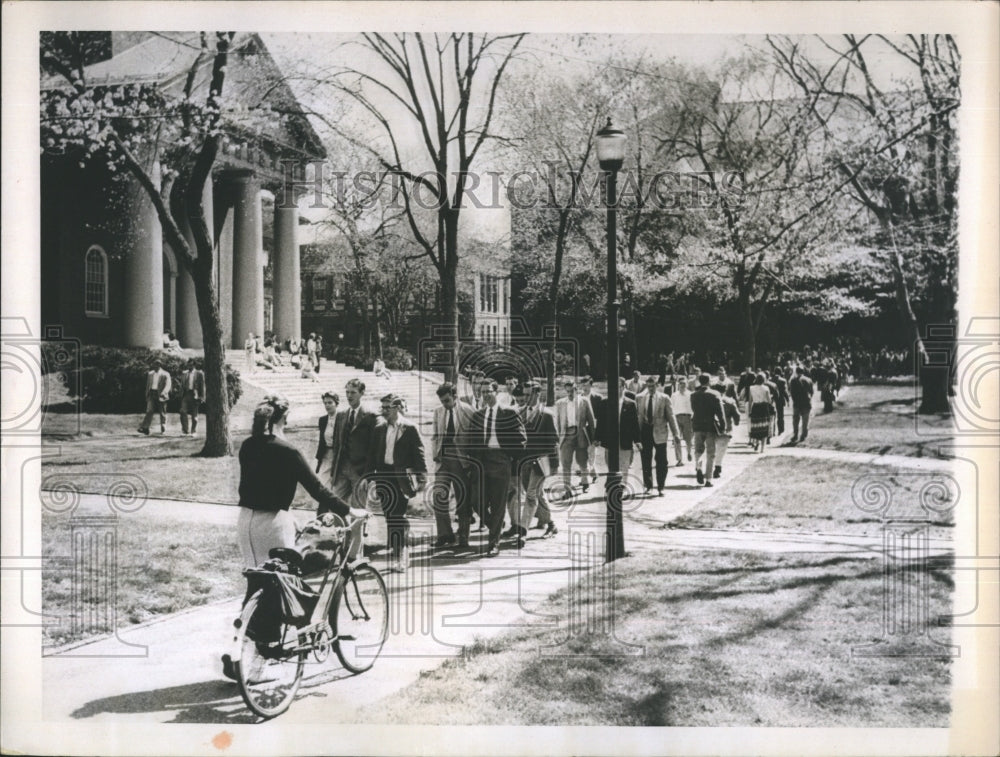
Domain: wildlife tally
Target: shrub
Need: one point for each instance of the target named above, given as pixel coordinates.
(353, 357)
(396, 358)
(113, 379)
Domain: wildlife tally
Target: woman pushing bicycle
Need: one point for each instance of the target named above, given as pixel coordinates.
(270, 470)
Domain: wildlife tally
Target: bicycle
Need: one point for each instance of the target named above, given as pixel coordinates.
(275, 636)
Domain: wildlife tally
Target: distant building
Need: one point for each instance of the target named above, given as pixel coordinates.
(491, 308)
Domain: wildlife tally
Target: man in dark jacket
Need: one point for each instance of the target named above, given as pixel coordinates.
(708, 418)
(540, 460)
(628, 431)
(496, 437)
(353, 431)
(397, 451)
(801, 388)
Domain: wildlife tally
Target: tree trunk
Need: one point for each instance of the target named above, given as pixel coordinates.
(218, 440)
(449, 291)
(377, 323)
(748, 336)
(935, 380)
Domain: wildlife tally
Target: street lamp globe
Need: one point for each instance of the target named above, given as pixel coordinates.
(610, 147)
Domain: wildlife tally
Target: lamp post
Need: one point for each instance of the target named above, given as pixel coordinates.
(610, 156)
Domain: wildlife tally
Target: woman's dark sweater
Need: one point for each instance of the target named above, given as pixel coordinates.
(271, 468)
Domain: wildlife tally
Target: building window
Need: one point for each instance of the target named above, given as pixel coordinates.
(95, 282)
(319, 292)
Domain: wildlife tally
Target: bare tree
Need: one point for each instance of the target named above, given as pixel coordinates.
(444, 90)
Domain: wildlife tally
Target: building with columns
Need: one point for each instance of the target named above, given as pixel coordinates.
(108, 275)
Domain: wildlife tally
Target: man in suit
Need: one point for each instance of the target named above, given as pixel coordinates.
(801, 388)
(708, 417)
(576, 427)
(597, 404)
(475, 400)
(539, 461)
(656, 423)
(396, 451)
(451, 422)
(496, 436)
(628, 430)
(192, 395)
(354, 430)
(158, 384)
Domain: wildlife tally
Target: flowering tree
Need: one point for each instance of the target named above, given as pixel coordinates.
(166, 135)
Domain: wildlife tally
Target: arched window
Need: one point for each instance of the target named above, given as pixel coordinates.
(95, 278)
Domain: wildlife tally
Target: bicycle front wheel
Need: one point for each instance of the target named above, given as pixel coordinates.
(270, 667)
(360, 618)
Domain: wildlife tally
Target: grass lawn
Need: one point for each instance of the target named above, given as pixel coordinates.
(880, 420)
(805, 495)
(729, 639)
(164, 565)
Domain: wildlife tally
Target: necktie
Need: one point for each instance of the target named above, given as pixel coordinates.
(489, 423)
(649, 410)
(350, 419)
(450, 431)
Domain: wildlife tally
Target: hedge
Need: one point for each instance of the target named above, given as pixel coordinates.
(113, 379)
(395, 358)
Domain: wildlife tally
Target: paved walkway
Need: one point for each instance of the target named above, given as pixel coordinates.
(168, 670)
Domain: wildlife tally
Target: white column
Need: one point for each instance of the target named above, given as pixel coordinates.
(143, 248)
(286, 286)
(248, 273)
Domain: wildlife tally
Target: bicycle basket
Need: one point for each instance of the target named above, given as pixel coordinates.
(319, 542)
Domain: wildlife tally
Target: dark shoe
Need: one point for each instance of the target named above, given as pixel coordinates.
(659, 492)
(522, 531)
(444, 541)
(520, 543)
(679, 463)
(228, 670)
(717, 472)
(646, 490)
(512, 531)
(144, 431)
(708, 483)
(493, 550)
(586, 487)
(463, 544)
(550, 530)
(700, 476)
(538, 525)
(163, 429)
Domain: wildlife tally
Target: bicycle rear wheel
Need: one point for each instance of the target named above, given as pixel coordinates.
(269, 671)
(360, 618)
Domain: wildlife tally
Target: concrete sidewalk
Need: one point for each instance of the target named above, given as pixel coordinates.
(168, 670)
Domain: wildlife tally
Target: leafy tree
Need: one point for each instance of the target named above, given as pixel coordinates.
(895, 146)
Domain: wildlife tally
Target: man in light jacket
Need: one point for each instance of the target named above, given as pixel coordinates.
(576, 427)
(158, 384)
(656, 423)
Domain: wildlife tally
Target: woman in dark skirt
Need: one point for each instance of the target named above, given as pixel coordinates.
(761, 413)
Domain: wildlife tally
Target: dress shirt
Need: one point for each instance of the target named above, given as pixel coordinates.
(491, 428)
(391, 432)
(328, 432)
